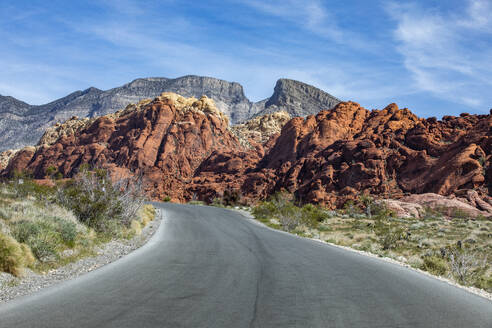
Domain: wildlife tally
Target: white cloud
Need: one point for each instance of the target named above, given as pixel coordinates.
(444, 57)
(479, 15)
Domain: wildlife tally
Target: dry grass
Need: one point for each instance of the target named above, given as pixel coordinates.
(147, 214)
(14, 257)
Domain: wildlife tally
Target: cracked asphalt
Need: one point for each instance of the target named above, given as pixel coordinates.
(212, 267)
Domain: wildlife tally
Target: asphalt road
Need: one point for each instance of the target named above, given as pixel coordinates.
(211, 267)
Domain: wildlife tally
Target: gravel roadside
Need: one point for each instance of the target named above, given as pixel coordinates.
(12, 287)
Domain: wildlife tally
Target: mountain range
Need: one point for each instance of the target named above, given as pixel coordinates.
(22, 124)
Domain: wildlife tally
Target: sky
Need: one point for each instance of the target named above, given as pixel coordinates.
(433, 57)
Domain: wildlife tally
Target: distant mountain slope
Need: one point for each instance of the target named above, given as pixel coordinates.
(298, 99)
(22, 124)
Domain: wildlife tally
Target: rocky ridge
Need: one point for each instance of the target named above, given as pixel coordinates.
(22, 124)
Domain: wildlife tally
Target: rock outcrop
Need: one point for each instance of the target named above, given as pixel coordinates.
(260, 129)
(186, 150)
(298, 99)
(22, 124)
(164, 140)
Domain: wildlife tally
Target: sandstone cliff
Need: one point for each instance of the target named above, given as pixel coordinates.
(164, 140)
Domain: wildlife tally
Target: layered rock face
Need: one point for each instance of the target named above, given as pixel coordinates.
(22, 124)
(186, 150)
(164, 140)
(339, 153)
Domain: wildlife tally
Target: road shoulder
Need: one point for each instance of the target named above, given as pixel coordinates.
(12, 287)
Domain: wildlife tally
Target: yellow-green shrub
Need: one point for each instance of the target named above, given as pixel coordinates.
(136, 227)
(147, 214)
(14, 257)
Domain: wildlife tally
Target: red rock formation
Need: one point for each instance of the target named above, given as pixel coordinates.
(164, 140)
(185, 150)
(335, 155)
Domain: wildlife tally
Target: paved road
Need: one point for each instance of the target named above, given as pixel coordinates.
(211, 267)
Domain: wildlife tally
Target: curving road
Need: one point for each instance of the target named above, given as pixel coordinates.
(211, 267)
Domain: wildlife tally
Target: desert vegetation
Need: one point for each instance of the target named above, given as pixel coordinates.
(455, 246)
(46, 226)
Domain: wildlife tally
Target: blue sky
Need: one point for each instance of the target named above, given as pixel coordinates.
(434, 57)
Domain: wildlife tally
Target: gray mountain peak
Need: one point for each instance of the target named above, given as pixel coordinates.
(22, 124)
(298, 99)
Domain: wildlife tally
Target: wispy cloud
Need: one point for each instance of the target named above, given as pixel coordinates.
(442, 55)
(314, 17)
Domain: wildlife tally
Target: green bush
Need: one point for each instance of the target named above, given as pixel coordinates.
(44, 245)
(264, 211)
(45, 237)
(313, 215)
(281, 208)
(68, 232)
(388, 236)
(435, 265)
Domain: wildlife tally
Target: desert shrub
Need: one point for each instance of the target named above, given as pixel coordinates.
(351, 209)
(147, 214)
(231, 197)
(46, 236)
(388, 236)
(13, 255)
(313, 215)
(23, 187)
(44, 245)
(367, 202)
(289, 216)
(51, 171)
(136, 227)
(435, 265)
(466, 266)
(68, 232)
(484, 282)
(281, 207)
(264, 211)
(217, 202)
(101, 203)
(380, 210)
